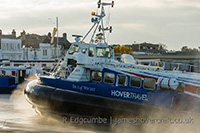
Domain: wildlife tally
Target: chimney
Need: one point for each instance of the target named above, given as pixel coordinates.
(0, 32)
(14, 33)
(65, 36)
(49, 34)
(23, 33)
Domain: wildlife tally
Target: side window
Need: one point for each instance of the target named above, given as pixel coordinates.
(0, 73)
(8, 73)
(103, 52)
(99, 52)
(109, 78)
(84, 50)
(62, 73)
(73, 49)
(121, 80)
(91, 52)
(149, 83)
(135, 82)
(108, 53)
(96, 76)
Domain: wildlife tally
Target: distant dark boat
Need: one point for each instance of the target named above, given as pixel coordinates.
(11, 78)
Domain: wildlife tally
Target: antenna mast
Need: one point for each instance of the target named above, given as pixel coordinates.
(99, 19)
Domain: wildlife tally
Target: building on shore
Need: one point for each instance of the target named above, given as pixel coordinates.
(10, 49)
(10, 46)
(183, 61)
(32, 46)
(148, 48)
(59, 46)
(32, 49)
(39, 47)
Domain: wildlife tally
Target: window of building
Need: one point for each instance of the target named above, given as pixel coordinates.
(18, 46)
(135, 82)
(198, 91)
(45, 52)
(96, 76)
(18, 65)
(3, 46)
(44, 65)
(8, 73)
(91, 51)
(109, 78)
(121, 80)
(12, 47)
(149, 83)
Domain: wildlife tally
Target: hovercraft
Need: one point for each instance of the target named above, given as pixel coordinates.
(89, 80)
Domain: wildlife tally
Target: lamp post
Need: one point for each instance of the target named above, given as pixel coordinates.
(57, 35)
(55, 46)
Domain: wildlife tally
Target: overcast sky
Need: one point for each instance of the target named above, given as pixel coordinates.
(175, 23)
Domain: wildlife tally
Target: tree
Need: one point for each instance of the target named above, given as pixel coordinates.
(163, 46)
(122, 49)
(116, 49)
(99, 38)
(184, 48)
(195, 50)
